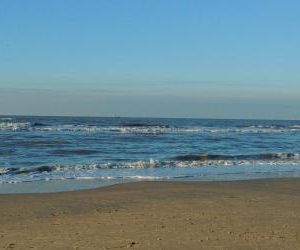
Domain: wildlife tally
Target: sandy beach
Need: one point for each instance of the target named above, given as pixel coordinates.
(260, 214)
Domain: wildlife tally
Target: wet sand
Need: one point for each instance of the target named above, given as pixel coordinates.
(261, 214)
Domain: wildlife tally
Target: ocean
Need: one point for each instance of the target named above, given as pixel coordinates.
(53, 154)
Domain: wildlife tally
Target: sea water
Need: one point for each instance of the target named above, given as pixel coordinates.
(51, 154)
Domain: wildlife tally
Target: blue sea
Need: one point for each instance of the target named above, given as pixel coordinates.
(52, 154)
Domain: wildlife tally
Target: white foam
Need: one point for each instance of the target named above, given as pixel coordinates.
(3, 170)
(141, 177)
(85, 178)
(137, 177)
(295, 127)
(14, 126)
(6, 119)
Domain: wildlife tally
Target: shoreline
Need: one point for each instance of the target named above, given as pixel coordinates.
(245, 214)
(77, 185)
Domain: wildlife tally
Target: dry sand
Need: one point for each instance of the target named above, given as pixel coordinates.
(263, 214)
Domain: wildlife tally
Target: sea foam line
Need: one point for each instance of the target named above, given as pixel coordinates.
(183, 161)
(12, 125)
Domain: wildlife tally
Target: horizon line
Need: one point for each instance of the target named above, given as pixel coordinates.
(147, 117)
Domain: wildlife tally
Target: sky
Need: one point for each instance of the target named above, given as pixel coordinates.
(155, 58)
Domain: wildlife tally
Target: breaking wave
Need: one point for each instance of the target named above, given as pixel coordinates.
(255, 157)
(184, 161)
(79, 167)
(6, 119)
(12, 125)
(15, 126)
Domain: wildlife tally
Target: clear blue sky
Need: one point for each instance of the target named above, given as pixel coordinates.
(209, 58)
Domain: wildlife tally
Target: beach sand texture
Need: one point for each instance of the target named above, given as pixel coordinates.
(260, 214)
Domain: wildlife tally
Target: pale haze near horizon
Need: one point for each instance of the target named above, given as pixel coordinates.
(207, 59)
